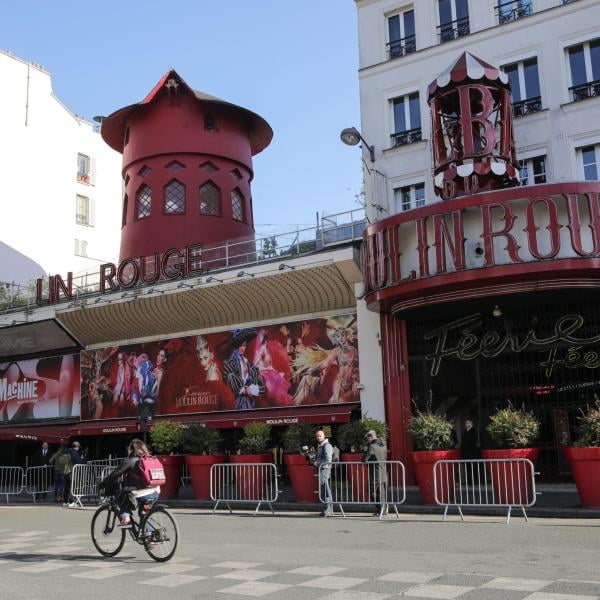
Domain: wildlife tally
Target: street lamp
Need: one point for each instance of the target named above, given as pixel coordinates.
(351, 136)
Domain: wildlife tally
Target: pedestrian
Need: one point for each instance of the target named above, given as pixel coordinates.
(61, 461)
(41, 459)
(323, 464)
(76, 457)
(376, 455)
(469, 450)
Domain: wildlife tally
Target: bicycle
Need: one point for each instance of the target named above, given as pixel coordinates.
(155, 528)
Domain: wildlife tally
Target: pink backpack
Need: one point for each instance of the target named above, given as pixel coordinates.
(152, 471)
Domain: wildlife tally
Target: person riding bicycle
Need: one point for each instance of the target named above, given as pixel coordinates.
(133, 487)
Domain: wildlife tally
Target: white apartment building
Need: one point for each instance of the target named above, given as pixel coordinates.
(60, 184)
(550, 50)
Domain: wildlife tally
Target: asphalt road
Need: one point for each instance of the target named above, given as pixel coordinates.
(46, 553)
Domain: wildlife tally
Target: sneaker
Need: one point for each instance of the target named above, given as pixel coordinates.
(125, 524)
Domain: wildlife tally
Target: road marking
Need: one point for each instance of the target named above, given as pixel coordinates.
(334, 583)
(173, 580)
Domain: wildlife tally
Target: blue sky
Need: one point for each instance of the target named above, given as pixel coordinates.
(294, 63)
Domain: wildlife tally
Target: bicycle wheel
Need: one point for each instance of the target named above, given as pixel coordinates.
(161, 534)
(107, 537)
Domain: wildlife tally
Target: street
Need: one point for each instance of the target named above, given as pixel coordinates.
(46, 553)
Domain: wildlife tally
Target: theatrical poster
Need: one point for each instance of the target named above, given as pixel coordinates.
(290, 364)
(40, 388)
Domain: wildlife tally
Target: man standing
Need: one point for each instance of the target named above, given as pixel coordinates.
(469, 450)
(376, 454)
(42, 459)
(323, 464)
(76, 457)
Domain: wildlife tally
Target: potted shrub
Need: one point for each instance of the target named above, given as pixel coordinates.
(352, 442)
(202, 447)
(303, 475)
(254, 448)
(166, 441)
(584, 457)
(432, 439)
(513, 432)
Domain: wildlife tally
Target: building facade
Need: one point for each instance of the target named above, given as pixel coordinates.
(61, 184)
(482, 259)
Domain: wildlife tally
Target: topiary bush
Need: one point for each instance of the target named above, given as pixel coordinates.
(166, 437)
(198, 439)
(297, 436)
(430, 432)
(351, 436)
(589, 433)
(513, 428)
(256, 438)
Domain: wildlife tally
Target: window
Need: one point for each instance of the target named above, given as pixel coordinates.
(175, 198)
(124, 216)
(175, 166)
(511, 11)
(532, 170)
(209, 123)
(589, 162)
(82, 211)
(454, 19)
(525, 85)
(83, 168)
(407, 120)
(81, 248)
(145, 171)
(144, 202)
(235, 173)
(411, 196)
(584, 66)
(210, 199)
(401, 33)
(237, 205)
(208, 167)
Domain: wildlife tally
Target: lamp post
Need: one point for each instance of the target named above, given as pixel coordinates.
(351, 136)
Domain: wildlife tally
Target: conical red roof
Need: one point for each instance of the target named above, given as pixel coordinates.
(467, 67)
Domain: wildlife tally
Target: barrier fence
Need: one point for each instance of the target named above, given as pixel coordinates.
(39, 481)
(503, 483)
(86, 477)
(11, 481)
(381, 483)
(253, 483)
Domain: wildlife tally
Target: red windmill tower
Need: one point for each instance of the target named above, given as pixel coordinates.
(187, 168)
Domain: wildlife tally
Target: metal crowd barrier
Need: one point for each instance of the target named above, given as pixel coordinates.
(85, 479)
(185, 475)
(381, 483)
(39, 480)
(11, 481)
(244, 482)
(502, 483)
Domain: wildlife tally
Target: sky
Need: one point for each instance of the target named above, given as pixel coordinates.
(294, 63)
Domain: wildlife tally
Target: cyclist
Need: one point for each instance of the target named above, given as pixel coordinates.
(133, 488)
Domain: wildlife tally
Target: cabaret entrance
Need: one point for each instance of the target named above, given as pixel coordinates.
(542, 353)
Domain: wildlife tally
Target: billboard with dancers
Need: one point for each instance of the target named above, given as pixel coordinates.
(289, 364)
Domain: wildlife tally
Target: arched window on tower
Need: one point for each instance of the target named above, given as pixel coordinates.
(143, 202)
(237, 205)
(210, 199)
(124, 217)
(174, 198)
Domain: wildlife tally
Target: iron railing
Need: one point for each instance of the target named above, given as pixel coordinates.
(454, 30)
(401, 47)
(402, 138)
(585, 90)
(513, 11)
(331, 230)
(527, 107)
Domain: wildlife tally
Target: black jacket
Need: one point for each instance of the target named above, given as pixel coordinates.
(131, 475)
(468, 445)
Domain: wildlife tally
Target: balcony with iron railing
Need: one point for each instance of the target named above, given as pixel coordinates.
(403, 138)
(527, 107)
(585, 91)
(513, 11)
(402, 47)
(331, 230)
(453, 30)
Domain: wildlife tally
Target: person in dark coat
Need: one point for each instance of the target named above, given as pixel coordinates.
(42, 459)
(469, 447)
(376, 453)
(76, 455)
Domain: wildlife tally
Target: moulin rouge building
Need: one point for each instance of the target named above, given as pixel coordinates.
(489, 295)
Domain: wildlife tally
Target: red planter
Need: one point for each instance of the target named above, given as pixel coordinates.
(359, 478)
(199, 469)
(585, 466)
(423, 462)
(303, 476)
(250, 481)
(511, 485)
(173, 466)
